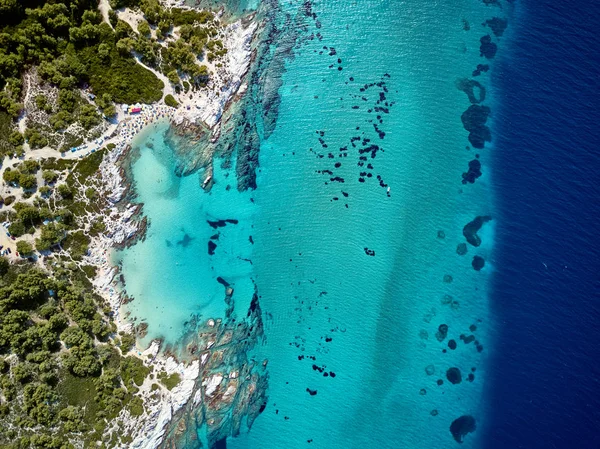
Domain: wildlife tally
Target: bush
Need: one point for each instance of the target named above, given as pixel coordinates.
(64, 191)
(52, 234)
(4, 265)
(35, 139)
(123, 78)
(133, 370)
(27, 181)
(169, 381)
(24, 248)
(49, 176)
(170, 101)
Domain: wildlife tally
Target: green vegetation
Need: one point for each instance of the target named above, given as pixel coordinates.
(170, 101)
(64, 374)
(71, 46)
(67, 394)
(169, 381)
(77, 244)
(133, 371)
(52, 234)
(24, 248)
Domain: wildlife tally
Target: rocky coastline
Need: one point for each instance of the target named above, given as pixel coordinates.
(217, 374)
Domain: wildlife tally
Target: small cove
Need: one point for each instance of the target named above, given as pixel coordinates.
(170, 273)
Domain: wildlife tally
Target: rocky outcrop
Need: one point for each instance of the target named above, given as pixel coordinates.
(471, 228)
(231, 390)
(461, 427)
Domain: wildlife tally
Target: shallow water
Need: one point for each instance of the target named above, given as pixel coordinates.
(357, 329)
(170, 274)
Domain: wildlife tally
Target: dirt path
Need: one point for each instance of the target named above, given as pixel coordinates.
(104, 7)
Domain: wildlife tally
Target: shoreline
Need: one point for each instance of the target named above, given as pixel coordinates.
(124, 225)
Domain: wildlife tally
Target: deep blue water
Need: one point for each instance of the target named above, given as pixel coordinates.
(544, 388)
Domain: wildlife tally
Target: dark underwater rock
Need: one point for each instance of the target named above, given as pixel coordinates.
(442, 332)
(473, 120)
(222, 281)
(473, 173)
(221, 223)
(211, 247)
(467, 338)
(461, 249)
(247, 157)
(481, 68)
(487, 47)
(462, 426)
(478, 263)
(470, 230)
(454, 376)
(497, 25)
(468, 87)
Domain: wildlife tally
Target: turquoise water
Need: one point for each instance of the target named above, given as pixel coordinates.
(370, 320)
(170, 274)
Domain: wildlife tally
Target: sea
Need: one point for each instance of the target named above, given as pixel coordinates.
(421, 234)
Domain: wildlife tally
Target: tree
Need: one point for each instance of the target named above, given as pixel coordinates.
(9, 6)
(49, 176)
(82, 363)
(24, 248)
(4, 265)
(27, 181)
(103, 51)
(52, 234)
(29, 215)
(123, 29)
(173, 76)
(45, 191)
(41, 101)
(144, 29)
(16, 138)
(17, 228)
(37, 400)
(29, 166)
(74, 336)
(64, 191)
(11, 176)
(110, 111)
(125, 45)
(61, 120)
(88, 116)
(90, 16)
(58, 322)
(35, 139)
(68, 100)
(170, 101)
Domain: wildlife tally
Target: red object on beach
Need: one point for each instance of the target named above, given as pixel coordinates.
(136, 110)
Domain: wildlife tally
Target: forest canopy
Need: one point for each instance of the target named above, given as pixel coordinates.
(71, 46)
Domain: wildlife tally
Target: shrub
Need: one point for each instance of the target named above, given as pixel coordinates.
(170, 101)
(24, 248)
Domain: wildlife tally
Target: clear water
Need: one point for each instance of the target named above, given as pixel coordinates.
(371, 320)
(170, 274)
